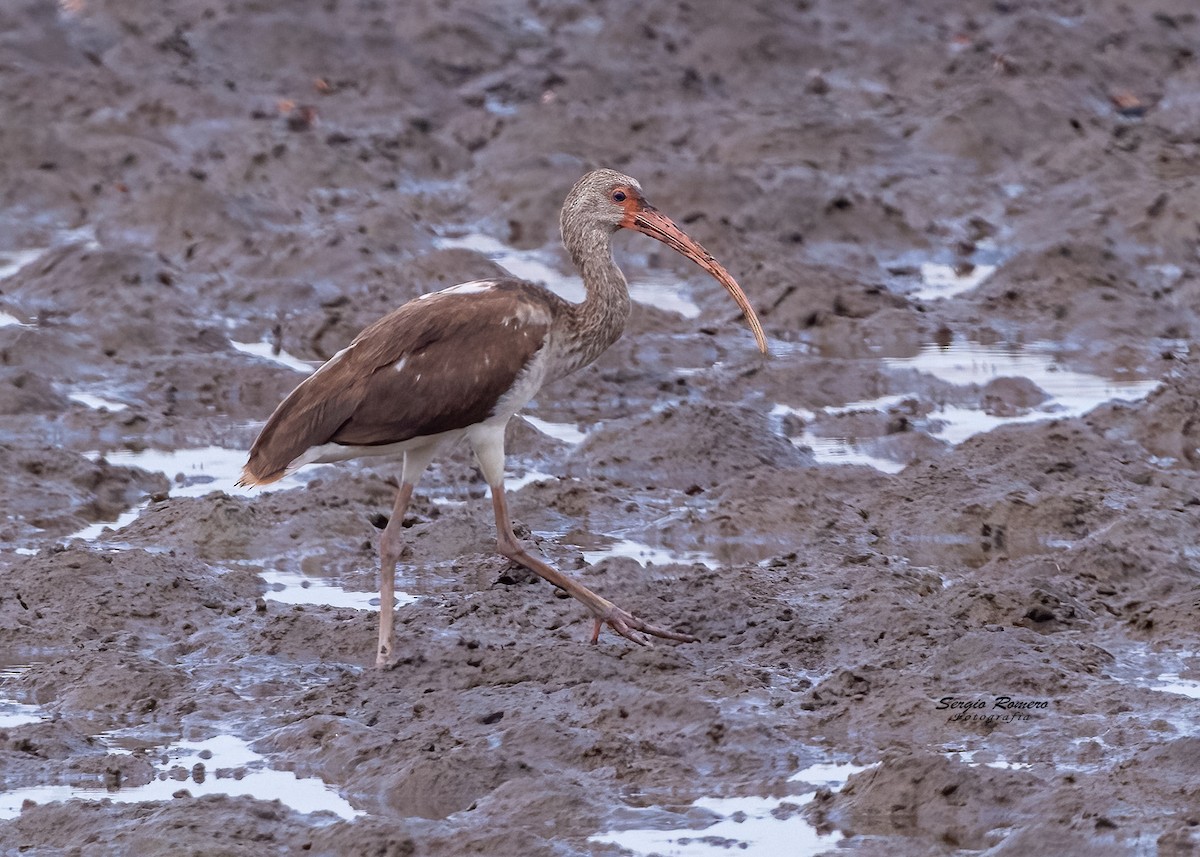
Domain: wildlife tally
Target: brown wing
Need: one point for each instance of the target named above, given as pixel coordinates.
(438, 363)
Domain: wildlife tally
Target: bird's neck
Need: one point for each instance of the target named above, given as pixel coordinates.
(599, 321)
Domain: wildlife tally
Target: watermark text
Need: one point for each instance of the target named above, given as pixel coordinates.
(991, 709)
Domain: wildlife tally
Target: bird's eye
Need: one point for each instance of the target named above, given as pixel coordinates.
(618, 196)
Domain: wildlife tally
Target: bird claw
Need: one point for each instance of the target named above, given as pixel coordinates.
(632, 628)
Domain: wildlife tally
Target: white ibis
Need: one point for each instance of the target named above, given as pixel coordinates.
(461, 362)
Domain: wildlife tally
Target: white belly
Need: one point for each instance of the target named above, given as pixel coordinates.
(328, 453)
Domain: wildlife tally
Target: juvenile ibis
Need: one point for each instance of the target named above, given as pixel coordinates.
(460, 363)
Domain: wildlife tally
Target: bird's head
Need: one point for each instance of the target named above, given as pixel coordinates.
(604, 201)
(604, 198)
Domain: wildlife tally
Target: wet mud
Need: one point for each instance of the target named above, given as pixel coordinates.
(938, 549)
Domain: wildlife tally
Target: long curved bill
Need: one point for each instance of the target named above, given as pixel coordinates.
(650, 221)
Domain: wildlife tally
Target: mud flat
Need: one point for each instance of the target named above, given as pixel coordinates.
(939, 549)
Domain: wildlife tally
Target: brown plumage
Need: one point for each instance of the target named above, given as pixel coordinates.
(359, 398)
(460, 363)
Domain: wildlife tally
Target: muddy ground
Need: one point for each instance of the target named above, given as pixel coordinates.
(193, 174)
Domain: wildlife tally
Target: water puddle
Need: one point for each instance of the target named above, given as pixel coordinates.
(221, 765)
(12, 261)
(448, 502)
(967, 757)
(945, 276)
(1070, 393)
(296, 587)
(96, 402)
(267, 351)
(1170, 682)
(528, 477)
(846, 450)
(1172, 675)
(199, 471)
(568, 433)
(757, 826)
(834, 450)
(946, 281)
(13, 712)
(96, 529)
(830, 774)
(647, 555)
(1161, 671)
(656, 289)
(290, 587)
(192, 472)
(497, 107)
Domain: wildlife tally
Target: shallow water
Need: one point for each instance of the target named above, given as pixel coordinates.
(1070, 393)
(566, 432)
(646, 555)
(13, 712)
(269, 352)
(835, 450)
(97, 529)
(1170, 682)
(289, 587)
(96, 402)
(758, 826)
(1167, 673)
(193, 473)
(527, 477)
(945, 281)
(198, 471)
(1160, 671)
(967, 757)
(227, 766)
(12, 261)
(294, 587)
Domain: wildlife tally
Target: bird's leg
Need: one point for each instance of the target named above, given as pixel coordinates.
(390, 547)
(603, 610)
(487, 439)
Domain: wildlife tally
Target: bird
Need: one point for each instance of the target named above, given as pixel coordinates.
(461, 362)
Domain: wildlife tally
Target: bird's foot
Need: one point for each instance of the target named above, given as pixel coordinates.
(632, 628)
(603, 611)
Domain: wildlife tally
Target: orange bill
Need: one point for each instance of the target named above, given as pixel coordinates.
(650, 221)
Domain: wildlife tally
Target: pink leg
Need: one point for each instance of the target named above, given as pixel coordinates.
(604, 611)
(390, 546)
